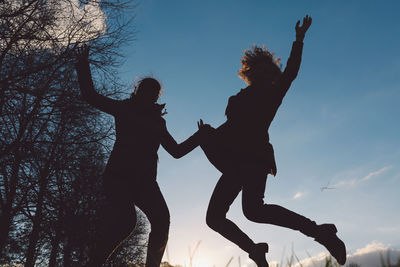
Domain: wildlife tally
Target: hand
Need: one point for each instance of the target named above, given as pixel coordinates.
(301, 30)
(203, 127)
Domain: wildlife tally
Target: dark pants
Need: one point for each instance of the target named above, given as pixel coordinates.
(251, 180)
(118, 217)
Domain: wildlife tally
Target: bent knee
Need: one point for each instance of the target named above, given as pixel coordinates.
(214, 220)
(254, 213)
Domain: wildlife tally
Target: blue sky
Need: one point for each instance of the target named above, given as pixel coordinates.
(338, 124)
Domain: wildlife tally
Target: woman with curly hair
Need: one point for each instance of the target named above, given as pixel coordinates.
(240, 149)
(129, 179)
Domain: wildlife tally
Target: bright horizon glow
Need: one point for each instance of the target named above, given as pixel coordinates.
(202, 262)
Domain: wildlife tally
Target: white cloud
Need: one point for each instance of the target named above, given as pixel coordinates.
(83, 22)
(72, 22)
(368, 256)
(298, 195)
(370, 248)
(371, 255)
(353, 182)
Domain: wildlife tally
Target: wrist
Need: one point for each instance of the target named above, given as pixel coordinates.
(299, 38)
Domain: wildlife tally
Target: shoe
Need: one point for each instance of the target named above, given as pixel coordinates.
(258, 254)
(326, 236)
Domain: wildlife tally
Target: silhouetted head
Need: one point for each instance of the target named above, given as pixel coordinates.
(259, 65)
(147, 90)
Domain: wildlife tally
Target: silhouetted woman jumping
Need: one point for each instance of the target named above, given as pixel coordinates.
(130, 176)
(240, 149)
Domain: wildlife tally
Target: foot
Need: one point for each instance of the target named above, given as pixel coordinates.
(326, 236)
(258, 254)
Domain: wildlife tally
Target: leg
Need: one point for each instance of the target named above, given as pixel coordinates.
(116, 223)
(255, 210)
(225, 192)
(116, 219)
(152, 203)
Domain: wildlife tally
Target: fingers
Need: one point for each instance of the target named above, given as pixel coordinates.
(200, 124)
(307, 21)
(301, 30)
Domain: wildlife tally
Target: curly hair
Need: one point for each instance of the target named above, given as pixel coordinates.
(259, 64)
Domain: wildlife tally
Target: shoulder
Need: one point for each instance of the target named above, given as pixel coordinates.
(126, 105)
(162, 123)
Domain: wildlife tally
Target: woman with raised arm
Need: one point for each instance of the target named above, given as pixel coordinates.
(130, 175)
(240, 149)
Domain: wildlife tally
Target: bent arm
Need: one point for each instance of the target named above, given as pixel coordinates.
(179, 150)
(89, 94)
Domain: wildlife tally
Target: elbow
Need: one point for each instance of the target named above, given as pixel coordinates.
(177, 155)
(179, 150)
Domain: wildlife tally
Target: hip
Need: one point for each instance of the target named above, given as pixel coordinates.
(225, 151)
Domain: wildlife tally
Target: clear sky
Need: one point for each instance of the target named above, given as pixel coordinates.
(338, 125)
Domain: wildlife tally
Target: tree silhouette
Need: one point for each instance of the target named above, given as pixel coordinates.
(53, 146)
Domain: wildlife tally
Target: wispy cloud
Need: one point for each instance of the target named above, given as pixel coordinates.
(298, 195)
(353, 182)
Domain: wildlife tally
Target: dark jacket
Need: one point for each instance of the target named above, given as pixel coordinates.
(243, 138)
(140, 129)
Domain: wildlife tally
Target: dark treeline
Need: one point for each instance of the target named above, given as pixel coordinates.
(53, 146)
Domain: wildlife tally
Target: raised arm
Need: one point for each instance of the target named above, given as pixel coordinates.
(89, 94)
(179, 150)
(293, 63)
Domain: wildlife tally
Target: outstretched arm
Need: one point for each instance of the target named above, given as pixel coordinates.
(89, 94)
(293, 63)
(179, 150)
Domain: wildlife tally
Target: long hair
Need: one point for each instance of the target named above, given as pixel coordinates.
(146, 85)
(259, 64)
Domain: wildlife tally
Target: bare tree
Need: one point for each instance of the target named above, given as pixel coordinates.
(52, 145)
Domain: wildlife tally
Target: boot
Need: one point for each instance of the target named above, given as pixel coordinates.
(258, 254)
(326, 236)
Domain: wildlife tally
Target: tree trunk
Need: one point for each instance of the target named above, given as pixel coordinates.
(56, 241)
(37, 220)
(67, 253)
(7, 212)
